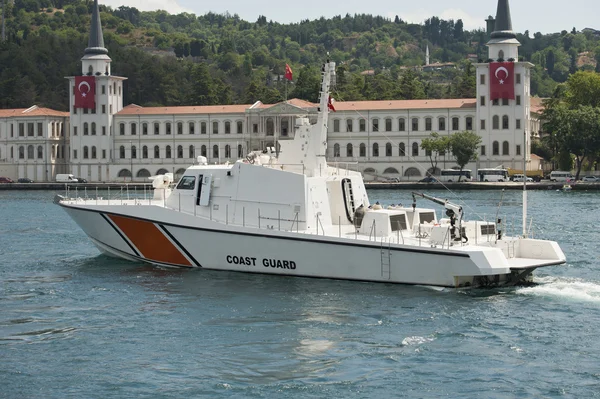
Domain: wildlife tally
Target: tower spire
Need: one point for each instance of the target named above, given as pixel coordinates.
(503, 26)
(96, 42)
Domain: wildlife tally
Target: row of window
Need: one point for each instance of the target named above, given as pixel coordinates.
(505, 101)
(362, 150)
(91, 152)
(402, 124)
(191, 128)
(57, 152)
(482, 77)
(56, 129)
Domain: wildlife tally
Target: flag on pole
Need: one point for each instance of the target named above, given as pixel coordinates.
(330, 104)
(288, 72)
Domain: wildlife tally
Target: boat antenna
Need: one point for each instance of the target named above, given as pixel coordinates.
(524, 184)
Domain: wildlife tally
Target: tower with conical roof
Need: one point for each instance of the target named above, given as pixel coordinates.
(504, 123)
(92, 133)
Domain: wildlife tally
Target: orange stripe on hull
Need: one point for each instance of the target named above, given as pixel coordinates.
(150, 241)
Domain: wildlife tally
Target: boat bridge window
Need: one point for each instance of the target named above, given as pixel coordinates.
(187, 183)
(398, 222)
(488, 229)
(426, 217)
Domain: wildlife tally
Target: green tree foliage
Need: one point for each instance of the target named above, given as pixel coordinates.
(158, 52)
(435, 145)
(464, 147)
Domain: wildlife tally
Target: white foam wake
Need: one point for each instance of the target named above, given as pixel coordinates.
(568, 289)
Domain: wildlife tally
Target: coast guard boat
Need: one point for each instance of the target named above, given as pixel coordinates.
(292, 214)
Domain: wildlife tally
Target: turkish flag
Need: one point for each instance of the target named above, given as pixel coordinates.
(85, 92)
(502, 80)
(330, 104)
(288, 72)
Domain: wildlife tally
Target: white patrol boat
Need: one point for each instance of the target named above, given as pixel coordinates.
(293, 214)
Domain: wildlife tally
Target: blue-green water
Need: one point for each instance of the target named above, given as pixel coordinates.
(75, 324)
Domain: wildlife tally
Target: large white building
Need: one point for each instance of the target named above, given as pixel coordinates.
(381, 138)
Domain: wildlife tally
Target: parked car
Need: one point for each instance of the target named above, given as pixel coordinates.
(428, 179)
(24, 180)
(521, 178)
(81, 180)
(590, 179)
(6, 180)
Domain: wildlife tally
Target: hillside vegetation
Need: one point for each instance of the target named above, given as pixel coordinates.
(222, 59)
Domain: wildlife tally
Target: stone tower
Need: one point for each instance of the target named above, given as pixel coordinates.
(503, 122)
(92, 131)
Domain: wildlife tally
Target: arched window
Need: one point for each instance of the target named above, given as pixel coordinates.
(144, 152)
(156, 151)
(203, 151)
(215, 151)
(388, 125)
(428, 124)
(144, 132)
(179, 173)
(412, 172)
(388, 150)
(505, 150)
(191, 152)
(240, 127)
(86, 152)
(179, 151)
(441, 123)
(349, 150)
(240, 151)
(500, 54)
(362, 150)
(455, 125)
(191, 127)
(133, 152)
(362, 125)
(349, 124)
(168, 127)
(124, 173)
(336, 150)
(30, 154)
(215, 127)
(142, 173)
(495, 148)
(40, 152)
(121, 152)
(227, 151)
(121, 129)
(505, 122)
(389, 171)
(496, 122)
(162, 171)
(227, 127)
(375, 149)
(203, 128)
(415, 124)
(270, 127)
(156, 128)
(168, 152)
(415, 149)
(93, 128)
(402, 148)
(401, 124)
(86, 129)
(91, 70)
(93, 152)
(179, 127)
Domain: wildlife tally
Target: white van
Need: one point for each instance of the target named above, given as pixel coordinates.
(66, 178)
(521, 178)
(557, 175)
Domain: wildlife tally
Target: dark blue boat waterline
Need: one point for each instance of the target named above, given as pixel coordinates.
(80, 325)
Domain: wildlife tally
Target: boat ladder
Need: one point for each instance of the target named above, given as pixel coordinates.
(348, 199)
(386, 260)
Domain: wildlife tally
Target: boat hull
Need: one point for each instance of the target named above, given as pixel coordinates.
(168, 238)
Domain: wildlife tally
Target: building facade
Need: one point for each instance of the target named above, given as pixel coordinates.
(110, 142)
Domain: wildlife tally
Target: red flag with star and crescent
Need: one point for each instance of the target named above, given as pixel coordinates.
(502, 80)
(288, 72)
(85, 92)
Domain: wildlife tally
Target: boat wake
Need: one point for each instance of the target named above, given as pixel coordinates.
(564, 288)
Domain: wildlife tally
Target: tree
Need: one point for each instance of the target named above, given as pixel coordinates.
(583, 88)
(464, 147)
(435, 146)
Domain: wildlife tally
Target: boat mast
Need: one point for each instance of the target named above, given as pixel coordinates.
(524, 183)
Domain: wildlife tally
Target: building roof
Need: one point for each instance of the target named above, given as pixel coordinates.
(96, 40)
(405, 104)
(503, 28)
(133, 109)
(536, 105)
(32, 111)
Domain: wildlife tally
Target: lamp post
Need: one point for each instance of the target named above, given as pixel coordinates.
(131, 159)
